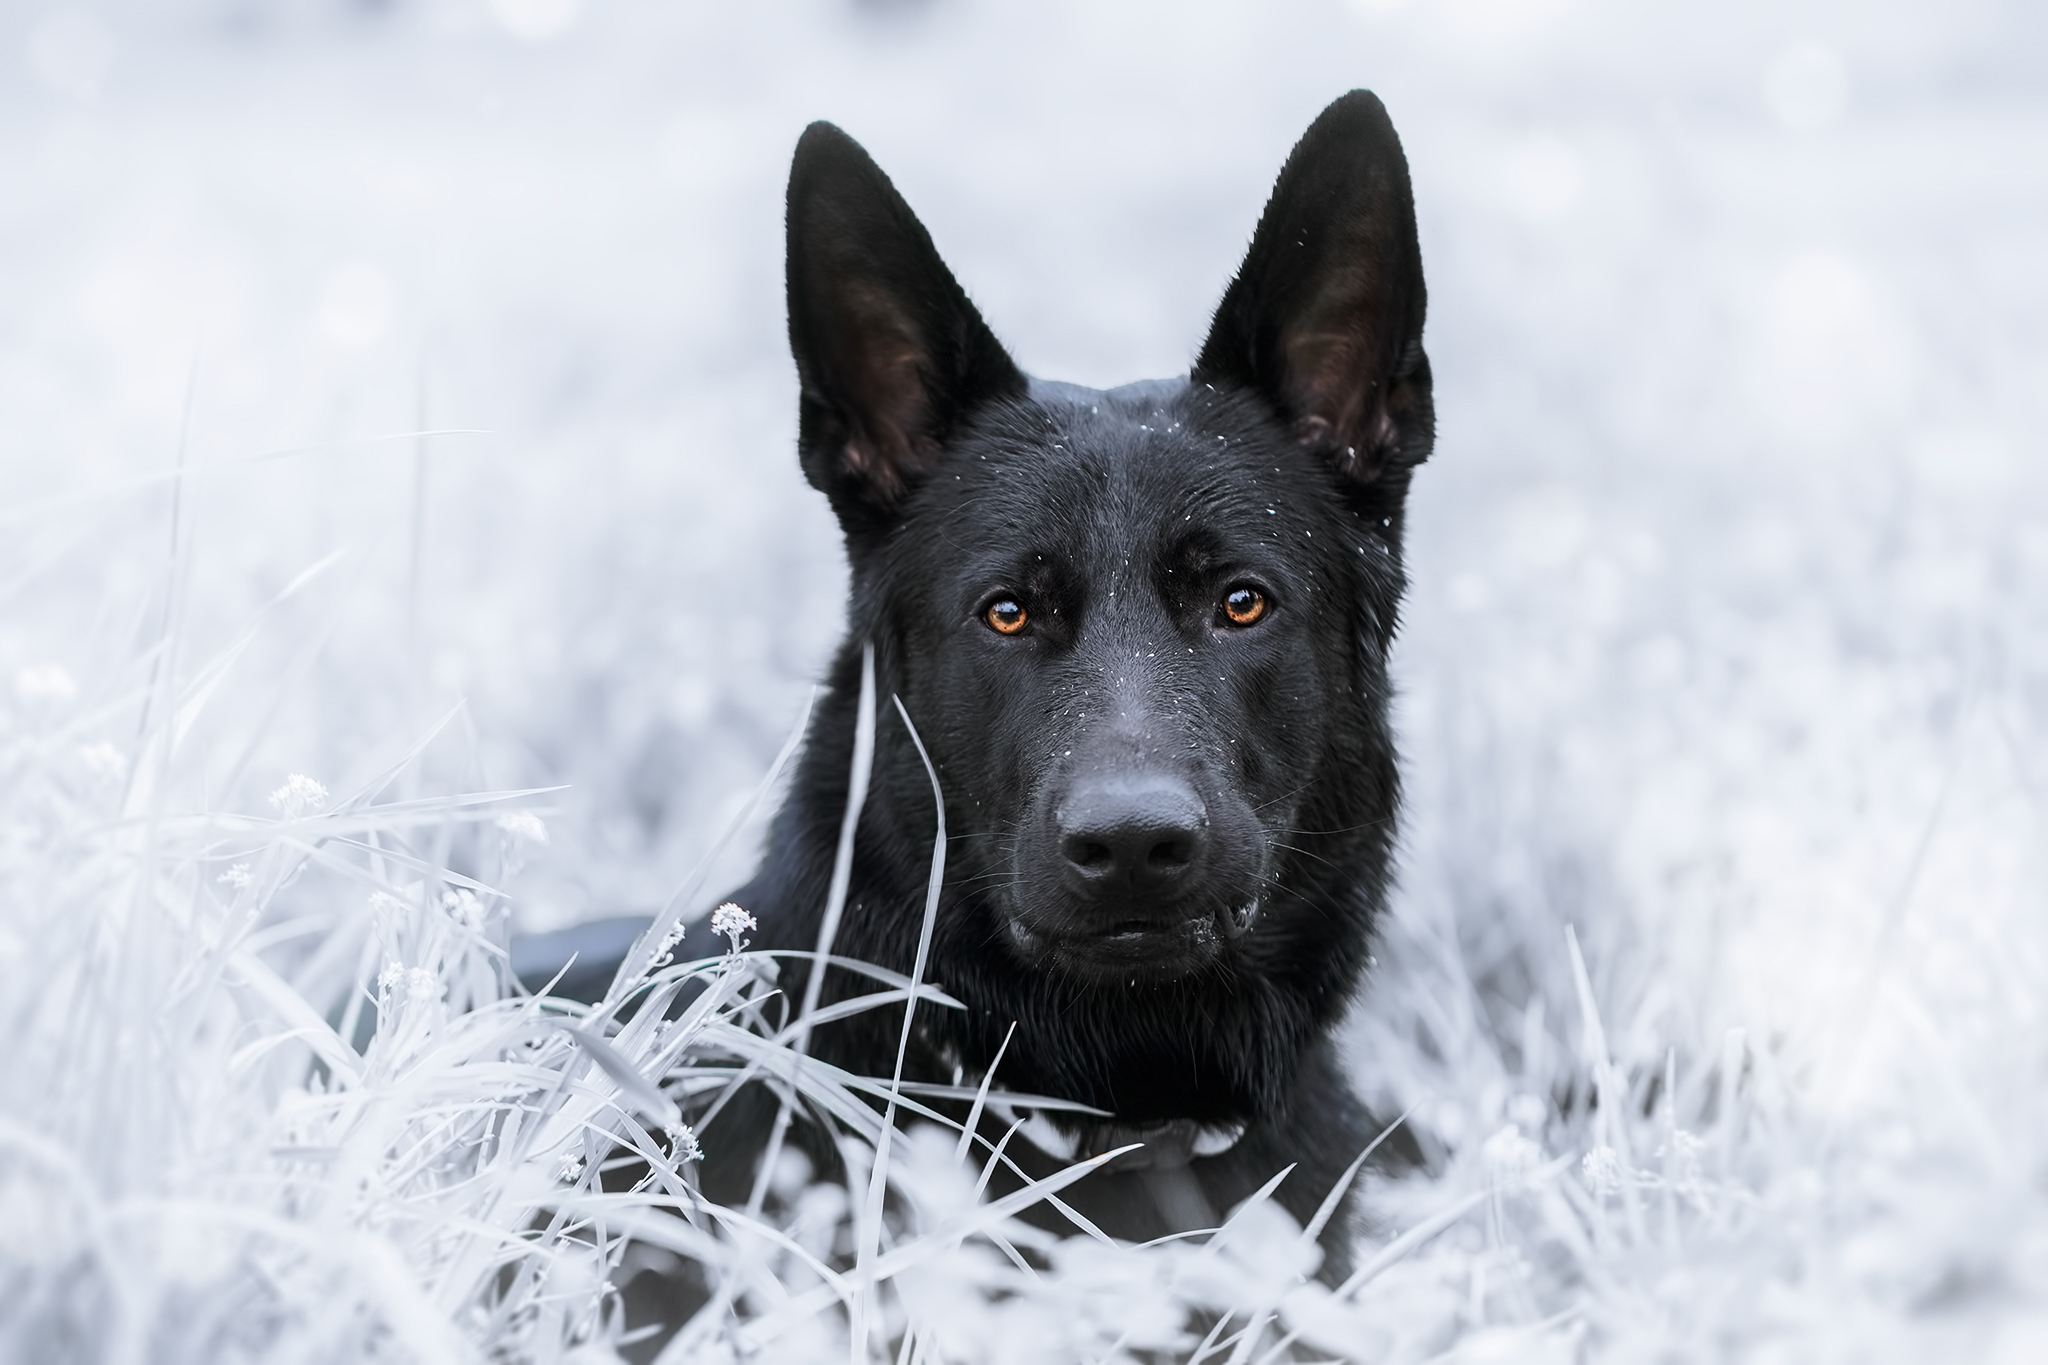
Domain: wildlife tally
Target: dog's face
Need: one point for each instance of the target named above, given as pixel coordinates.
(1129, 624)
(1141, 632)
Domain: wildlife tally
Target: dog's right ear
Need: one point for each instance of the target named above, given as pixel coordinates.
(889, 352)
(1324, 319)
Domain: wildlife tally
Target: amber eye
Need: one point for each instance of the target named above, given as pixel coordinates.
(1005, 616)
(1244, 606)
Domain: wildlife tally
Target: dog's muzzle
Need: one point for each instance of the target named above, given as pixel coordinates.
(1134, 876)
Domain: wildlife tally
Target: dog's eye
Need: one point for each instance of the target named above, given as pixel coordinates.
(1244, 606)
(1005, 616)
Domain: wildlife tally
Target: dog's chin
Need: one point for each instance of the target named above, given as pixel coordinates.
(1132, 951)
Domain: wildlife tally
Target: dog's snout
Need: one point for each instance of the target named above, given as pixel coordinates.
(1145, 833)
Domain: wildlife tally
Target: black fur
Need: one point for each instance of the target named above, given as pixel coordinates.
(1223, 767)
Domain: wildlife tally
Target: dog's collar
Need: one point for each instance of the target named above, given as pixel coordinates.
(1167, 1145)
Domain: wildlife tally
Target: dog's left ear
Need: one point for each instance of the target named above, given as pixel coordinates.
(889, 352)
(1324, 318)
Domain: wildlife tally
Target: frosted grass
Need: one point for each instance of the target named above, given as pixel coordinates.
(283, 1103)
(279, 1103)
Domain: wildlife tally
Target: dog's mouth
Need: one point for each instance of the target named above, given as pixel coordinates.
(1134, 947)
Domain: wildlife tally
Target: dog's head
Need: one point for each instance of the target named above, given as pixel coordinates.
(1142, 631)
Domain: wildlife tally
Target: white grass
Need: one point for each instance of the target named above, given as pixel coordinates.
(1714, 988)
(225, 1159)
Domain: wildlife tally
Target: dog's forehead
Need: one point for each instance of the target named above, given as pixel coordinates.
(1089, 475)
(1108, 426)
(1169, 450)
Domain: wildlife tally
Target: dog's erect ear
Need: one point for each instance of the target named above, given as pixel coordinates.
(889, 352)
(1325, 317)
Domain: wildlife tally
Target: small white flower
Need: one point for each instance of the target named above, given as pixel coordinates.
(1683, 1152)
(731, 921)
(1602, 1168)
(388, 979)
(464, 908)
(1528, 1113)
(298, 795)
(422, 985)
(1509, 1155)
(683, 1145)
(572, 1166)
(384, 903)
(1685, 1148)
(44, 683)
(523, 825)
(664, 951)
(238, 876)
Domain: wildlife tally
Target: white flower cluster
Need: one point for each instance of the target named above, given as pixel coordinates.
(1685, 1150)
(298, 795)
(238, 877)
(523, 826)
(464, 908)
(417, 983)
(731, 921)
(664, 952)
(44, 683)
(1682, 1156)
(1510, 1156)
(1602, 1168)
(103, 760)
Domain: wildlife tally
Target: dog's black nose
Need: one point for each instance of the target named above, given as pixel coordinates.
(1143, 833)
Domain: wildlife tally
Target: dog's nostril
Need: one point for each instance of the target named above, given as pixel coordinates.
(1090, 856)
(1169, 854)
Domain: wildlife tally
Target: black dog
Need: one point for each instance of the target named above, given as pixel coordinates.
(1143, 634)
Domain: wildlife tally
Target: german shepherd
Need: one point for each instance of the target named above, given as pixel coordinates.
(1142, 633)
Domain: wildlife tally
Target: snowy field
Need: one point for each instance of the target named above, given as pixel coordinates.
(395, 395)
